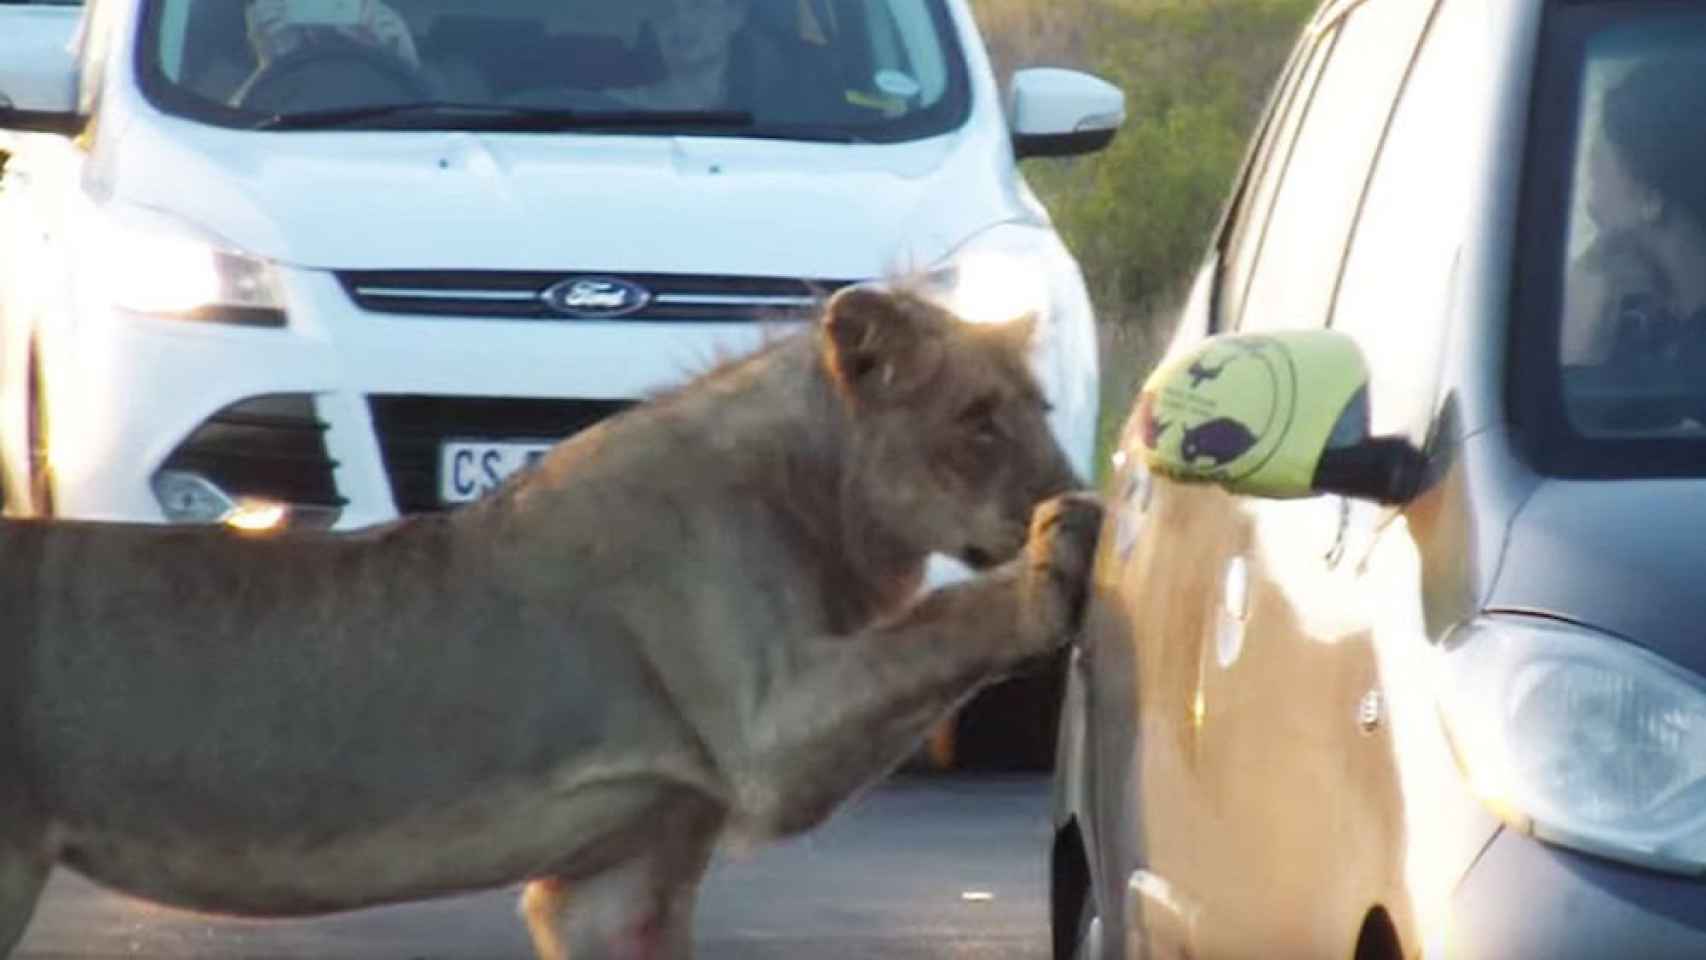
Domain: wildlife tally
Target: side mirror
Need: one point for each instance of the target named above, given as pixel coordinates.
(1059, 113)
(1272, 415)
(38, 69)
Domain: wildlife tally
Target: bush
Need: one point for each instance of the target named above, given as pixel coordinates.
(1196, 74)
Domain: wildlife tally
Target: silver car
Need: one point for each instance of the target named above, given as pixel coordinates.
(1398, 644)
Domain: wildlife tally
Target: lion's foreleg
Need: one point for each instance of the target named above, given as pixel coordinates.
(849, 709)
(24, 867)
(857, 706)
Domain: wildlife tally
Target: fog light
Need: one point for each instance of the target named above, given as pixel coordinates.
(257, 516)
(191, 498)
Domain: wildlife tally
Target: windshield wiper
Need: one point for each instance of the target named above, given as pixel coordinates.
(489, 116)
(426, 115)
(813, 132)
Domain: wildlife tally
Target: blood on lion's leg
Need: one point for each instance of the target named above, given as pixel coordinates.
(943, 743)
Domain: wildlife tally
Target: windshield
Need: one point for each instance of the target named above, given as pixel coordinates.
(1619, 370)
(843, 70)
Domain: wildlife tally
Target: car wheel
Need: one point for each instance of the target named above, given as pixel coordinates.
(40, 468)
(1088, 944)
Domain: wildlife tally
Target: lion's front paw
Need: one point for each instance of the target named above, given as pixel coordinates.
(1058, 558)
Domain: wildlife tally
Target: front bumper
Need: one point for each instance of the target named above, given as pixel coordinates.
(1526, 900)
(126, 392)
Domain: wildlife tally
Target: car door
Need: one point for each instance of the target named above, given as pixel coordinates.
(1253, 675)
(1138, 663)
(1282, 685)
(1399, 297)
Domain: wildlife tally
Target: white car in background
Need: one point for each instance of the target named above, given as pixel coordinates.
(348, 285)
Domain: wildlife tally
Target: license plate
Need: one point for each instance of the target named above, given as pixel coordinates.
(470, 469)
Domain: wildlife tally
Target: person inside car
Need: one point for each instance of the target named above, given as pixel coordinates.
(724, 55)
(236, 41)
(695, 42)
(1637, 293)
(274, 30)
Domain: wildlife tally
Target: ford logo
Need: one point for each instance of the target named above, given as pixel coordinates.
(596, 297)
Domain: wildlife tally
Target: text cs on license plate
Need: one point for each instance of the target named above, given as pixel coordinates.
(470, 469)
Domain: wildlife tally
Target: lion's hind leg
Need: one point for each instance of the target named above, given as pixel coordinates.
(629, 913)
(640, 906)
(24, 867)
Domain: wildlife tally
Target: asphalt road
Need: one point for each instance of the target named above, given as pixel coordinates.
(921, 868)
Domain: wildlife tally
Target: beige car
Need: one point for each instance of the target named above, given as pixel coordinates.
(1396, 646)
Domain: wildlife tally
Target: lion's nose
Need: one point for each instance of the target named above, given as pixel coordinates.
(1060, 478)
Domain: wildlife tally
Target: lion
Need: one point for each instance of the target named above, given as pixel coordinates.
(698, 623)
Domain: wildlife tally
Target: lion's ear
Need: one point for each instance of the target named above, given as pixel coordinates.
(1019, 332)
(875, 347)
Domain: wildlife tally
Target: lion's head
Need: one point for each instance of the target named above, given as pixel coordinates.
(950, 447)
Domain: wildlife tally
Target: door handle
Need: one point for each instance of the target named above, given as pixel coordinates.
(1370, 710)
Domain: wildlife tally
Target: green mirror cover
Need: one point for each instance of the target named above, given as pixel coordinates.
(1251, 412)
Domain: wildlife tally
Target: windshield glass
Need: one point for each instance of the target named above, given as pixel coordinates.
(1623, 261)
(848, 70)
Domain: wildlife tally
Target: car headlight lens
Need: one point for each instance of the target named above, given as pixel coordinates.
(146, 263)
(998, 276)
(1581, 739)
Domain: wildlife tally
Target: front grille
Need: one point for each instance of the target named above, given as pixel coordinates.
(271, 448)
(412, 428)
(514, 295)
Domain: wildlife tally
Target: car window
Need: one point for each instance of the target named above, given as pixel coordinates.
(1267, 163)
(1609, 349)
(1394, 296)
(843, 70)
(1300, 249)
(1634, 311)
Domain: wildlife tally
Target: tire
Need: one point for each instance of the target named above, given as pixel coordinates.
(1089, 938)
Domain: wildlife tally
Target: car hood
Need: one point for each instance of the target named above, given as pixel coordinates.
(1624, 556)
(459, 200)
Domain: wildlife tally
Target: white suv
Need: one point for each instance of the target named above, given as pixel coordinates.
(363, 275)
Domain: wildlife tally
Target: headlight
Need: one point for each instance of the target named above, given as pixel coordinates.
(1012, 269)
(1581, 739)
(147, 263)
(999, 275)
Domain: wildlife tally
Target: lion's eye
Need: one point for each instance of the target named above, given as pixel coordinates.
(979, 418)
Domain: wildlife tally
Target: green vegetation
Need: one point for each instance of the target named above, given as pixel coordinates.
(1196, 74)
